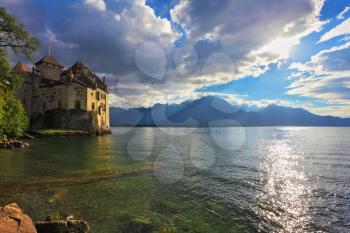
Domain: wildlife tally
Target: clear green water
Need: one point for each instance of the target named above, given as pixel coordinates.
(273, 179)
(94, 178)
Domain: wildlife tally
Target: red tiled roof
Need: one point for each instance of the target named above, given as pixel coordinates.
(84, 75)
(78, 66)
(68, 72)
(21, 68)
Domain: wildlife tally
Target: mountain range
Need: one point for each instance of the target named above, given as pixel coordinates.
(214, 111)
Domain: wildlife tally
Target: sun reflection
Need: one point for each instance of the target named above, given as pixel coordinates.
(282, 199)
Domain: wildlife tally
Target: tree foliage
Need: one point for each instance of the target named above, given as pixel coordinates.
(9, 80)
(13, 119)
(14, 35)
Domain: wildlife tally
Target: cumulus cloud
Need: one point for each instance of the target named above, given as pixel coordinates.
(334, 59)
(244, 26)
(97, 4)
(245, 30)
(326, 76)
(330, 89)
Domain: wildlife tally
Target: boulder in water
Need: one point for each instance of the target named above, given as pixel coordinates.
(13, 220)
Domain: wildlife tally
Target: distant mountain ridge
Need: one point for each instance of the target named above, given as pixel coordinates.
(214, 111)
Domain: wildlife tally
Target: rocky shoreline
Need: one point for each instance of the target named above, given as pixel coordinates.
(13, 143)
(59, 133)
(13, 220)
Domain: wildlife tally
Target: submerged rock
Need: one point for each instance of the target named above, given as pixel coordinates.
(138, 225)
(13, 220)
(68, 226)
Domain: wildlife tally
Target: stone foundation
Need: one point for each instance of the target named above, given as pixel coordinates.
(74, 119)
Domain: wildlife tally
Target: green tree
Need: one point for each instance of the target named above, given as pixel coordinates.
(13, 35)
(13, 119)
(2, 114)
(9, 81)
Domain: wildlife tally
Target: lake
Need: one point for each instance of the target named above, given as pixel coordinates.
(267, 179)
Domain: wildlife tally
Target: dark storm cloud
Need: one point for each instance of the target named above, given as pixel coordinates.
(104, 43)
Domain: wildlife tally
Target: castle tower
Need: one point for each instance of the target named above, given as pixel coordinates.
(49, 67)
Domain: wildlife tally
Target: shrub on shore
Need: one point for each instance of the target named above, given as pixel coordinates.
(13, 119)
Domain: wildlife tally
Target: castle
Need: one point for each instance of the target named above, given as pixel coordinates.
(54, 97)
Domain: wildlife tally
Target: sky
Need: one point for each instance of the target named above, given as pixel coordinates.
(251, 53)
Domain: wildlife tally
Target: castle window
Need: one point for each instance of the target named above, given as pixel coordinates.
(99, 110)
(98, 95)
(77, 104)
(93, 106)
(59, 104)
